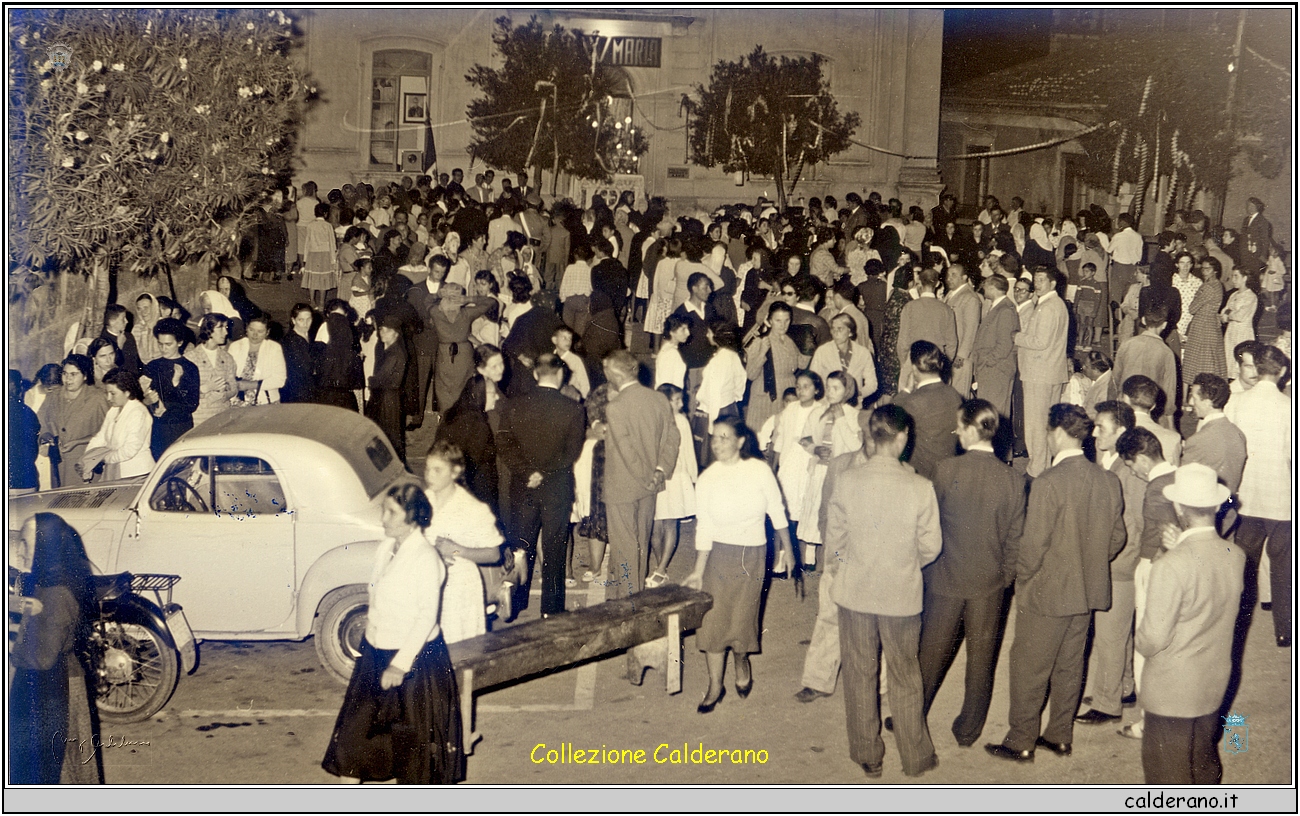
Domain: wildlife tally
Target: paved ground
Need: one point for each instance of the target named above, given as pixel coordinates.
(262, 714)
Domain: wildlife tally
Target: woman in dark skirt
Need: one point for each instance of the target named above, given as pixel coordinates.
(733, 498)
(401, 713)
(385, 405)
(337, 357)
(467, 427)
(53, 727)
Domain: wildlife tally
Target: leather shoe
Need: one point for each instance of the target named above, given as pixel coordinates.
(1284, 641)
(1266, 606)
(743, 691)
(1094, 717)
(1129, 700)
(803, 695)
(1061, 749)
(1003, 752)
(705, 708)
(1132, 731)
(889, 724)
(929, 765)
(874, 771)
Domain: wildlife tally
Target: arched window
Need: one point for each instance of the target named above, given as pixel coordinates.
(399, 104)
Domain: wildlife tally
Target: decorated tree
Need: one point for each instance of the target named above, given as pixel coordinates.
(1178, 110)
(551, 105)
(142, 145)
(766, 115)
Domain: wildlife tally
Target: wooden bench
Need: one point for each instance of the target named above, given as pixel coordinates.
(576, 637)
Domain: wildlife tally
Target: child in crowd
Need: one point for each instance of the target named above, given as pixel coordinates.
(562, 339)
(1087, 305)
(677, 500)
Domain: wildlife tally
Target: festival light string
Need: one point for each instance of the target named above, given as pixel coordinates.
(521, 113)
(1011, 151)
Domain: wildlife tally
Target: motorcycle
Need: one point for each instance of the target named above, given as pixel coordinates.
(138, 645)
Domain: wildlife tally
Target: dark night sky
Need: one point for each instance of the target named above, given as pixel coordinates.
(979, 41)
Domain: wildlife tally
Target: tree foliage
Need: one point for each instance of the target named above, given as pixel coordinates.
(770, 116)
(1168, 118)
(155, 143)
(549, 106)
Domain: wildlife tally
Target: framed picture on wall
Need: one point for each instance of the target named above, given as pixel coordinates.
(415, 107)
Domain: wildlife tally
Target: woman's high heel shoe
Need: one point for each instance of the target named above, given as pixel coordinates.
(705, 708)
(743, 691)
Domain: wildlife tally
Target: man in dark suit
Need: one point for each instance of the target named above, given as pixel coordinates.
(982, 514)
(933, 404)
(541, 437)
(1073, 528)
(1257, 235)
(1217, 442)
(641, 448)
(422, 297)
(608, 276)
(529, 337)
(993, 357)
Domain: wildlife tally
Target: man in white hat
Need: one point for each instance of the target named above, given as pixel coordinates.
(1186, 636)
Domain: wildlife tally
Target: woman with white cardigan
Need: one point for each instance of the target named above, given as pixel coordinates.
(122, 443)
(259, 364)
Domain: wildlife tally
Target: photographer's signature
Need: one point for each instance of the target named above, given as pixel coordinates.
(90, 746)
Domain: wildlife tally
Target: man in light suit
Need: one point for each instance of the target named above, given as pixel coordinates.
(1264, 416)
(965, 305)
(1110, 676)
(1043, 367)
(925, 318)
(640, 453)
(993, 352)
(1073, 528)
(982, 515)
(879, 592)
(1217, 442)
(1186, 636)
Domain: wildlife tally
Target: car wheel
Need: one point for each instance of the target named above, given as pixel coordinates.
(340, 625)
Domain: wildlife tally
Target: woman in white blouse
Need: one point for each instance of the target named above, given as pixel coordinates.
(465, 532)
(734, 498)
(401, 713)
(259, 364)
(670, 368)
(122, 444)
(722, 382)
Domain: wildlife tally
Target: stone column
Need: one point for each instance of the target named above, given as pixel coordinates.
(918, 179)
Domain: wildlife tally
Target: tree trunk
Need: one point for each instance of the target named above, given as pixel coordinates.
(97, 295)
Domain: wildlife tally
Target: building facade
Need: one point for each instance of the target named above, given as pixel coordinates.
(379, 71)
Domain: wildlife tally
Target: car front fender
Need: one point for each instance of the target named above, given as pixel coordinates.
(348, 564)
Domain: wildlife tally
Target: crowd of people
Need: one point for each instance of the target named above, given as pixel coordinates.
(846, 385)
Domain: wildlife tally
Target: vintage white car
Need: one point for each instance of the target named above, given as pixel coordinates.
(270, 516)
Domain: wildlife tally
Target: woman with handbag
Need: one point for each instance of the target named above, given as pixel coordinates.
(401, 712)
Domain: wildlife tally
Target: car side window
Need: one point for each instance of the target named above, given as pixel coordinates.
(186, 487)
(246, 486)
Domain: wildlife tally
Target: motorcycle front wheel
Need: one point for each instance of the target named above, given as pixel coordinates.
(137, 672)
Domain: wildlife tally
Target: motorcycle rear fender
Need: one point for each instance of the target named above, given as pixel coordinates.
(141, 611)
(342, 566)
